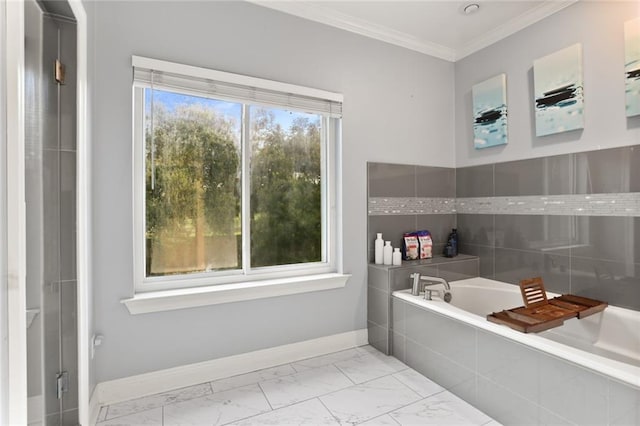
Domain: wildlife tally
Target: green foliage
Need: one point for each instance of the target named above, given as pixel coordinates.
(286, 222)
(196, 171)
(196, 165)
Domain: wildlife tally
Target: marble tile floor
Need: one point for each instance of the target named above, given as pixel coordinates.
(355, 386)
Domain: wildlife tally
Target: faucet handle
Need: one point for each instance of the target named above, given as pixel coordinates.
(428, 293)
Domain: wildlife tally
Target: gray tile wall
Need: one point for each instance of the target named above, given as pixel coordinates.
(592, 253)
(594, 256)
(384, 280)
(512, 383)
(415, 183)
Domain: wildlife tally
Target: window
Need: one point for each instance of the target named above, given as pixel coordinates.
(234, 177)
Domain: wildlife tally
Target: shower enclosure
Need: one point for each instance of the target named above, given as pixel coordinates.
(50, 183)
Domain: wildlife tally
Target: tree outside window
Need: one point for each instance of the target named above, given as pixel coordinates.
(193, 189)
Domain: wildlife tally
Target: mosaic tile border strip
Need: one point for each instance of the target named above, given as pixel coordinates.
(387, 206)
(613, 204)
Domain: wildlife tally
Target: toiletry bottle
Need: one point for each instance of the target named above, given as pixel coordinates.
(387, 255)
(448, 249)
(379, 244)
(397, 257)
(454, 241)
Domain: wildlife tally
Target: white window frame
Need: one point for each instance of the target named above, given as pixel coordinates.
(283, 276)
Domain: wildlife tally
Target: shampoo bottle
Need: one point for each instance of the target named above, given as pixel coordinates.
(387, 254)
(379, 244)
(451, 248)
(397, 257)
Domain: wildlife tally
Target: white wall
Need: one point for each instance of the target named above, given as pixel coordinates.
(4, 317)
(84, 153)
(398, 108)
(599, 26)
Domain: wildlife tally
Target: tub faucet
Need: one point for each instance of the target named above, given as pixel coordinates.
(421, 282)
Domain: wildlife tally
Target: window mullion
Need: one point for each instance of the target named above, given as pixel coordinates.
(245, 143)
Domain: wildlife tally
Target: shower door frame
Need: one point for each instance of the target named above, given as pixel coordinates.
(15, 256)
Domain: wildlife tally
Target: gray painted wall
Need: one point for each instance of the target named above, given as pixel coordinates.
(398, 108)
(599, 26)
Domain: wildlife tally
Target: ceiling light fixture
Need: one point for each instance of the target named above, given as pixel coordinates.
(471, 8)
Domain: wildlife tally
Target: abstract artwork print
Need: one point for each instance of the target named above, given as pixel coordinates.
(632, 66)
(490, 112)
(558, 91)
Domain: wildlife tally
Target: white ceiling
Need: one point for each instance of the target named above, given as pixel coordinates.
(437, 28)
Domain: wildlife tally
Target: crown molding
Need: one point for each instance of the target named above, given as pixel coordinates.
(512, 26)
(323, 15)
(327, 16)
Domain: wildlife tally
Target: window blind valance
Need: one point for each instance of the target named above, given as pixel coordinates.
(228, 86)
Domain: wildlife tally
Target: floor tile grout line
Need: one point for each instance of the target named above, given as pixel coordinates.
(164, 404)
(290, 364)
(345, 374)
(258, 414)
(265, 396)
(133, 413)
(421, 398)
(324, 394)
(394, 419)
(415, 391)
(328, 410)
(316, 396)
(277, 409)
(384, 375)
(255, 371)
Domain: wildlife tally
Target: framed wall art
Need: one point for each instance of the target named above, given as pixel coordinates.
(632, 66)
(559, 96)
(490, 112)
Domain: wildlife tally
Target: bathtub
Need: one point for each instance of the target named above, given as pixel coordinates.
(592, 362)
(607, 342)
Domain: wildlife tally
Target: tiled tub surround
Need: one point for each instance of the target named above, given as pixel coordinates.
(488, 366)
(594, 252)
(405, 198)
(355, 386)
(384, 280)
(573, 219)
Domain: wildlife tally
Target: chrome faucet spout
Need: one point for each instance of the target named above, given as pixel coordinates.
(435, 281)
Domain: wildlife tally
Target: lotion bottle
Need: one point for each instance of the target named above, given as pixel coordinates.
(379, 244)
(397, 257)
(387, 253)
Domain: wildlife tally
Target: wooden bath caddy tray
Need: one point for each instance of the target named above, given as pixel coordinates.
(541, 314)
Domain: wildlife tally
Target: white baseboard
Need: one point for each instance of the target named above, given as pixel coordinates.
(132, 387)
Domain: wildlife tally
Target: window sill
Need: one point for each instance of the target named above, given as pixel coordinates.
(168, 300)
